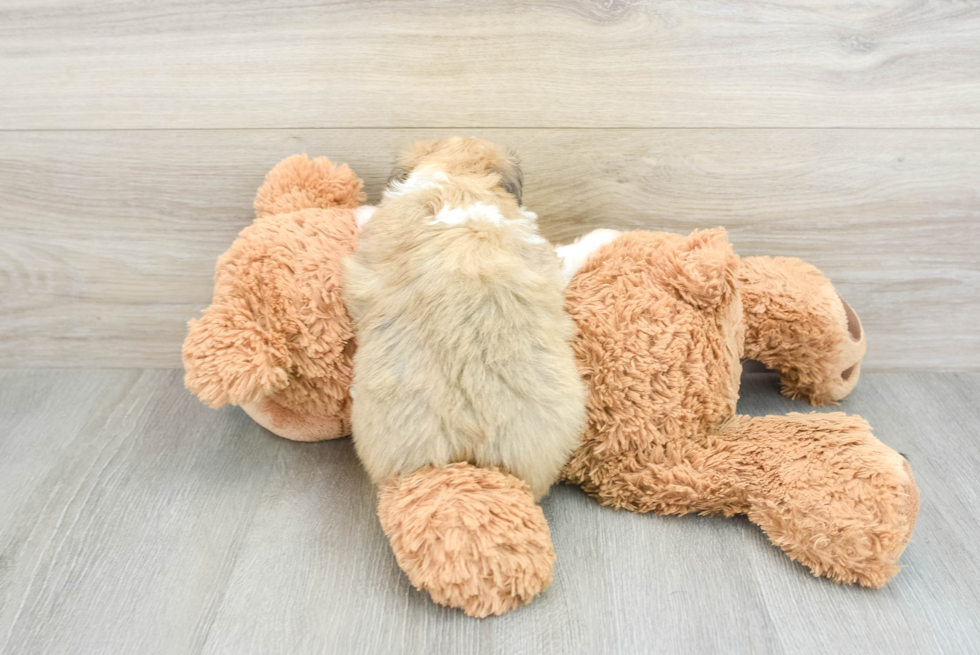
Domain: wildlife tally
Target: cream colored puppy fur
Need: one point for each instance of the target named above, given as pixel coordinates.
(463, 343)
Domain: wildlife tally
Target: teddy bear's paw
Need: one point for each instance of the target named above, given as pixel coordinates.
(851, 346)
(472, 537)
(847, 514)
(833, 366)
(798, 324)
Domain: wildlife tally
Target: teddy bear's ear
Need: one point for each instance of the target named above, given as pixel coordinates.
(299, 182)
(704, 268)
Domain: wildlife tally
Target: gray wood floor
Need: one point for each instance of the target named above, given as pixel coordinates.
(135, 520)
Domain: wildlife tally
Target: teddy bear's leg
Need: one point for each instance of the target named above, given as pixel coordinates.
(829, 493)
(472, 537)
(821, 487)
(796, 323)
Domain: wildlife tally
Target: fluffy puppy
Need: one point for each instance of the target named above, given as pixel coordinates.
(463, 343)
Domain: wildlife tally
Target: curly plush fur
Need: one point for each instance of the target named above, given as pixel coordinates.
(661, 328)
(472, 537)
(464, 338)
(797, 324)
(659, 341)
(277, 338)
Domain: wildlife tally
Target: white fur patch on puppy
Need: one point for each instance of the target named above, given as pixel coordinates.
(424, 178)
(475, 212)
(363, 214)
(531, 221)
(483, 212)
(574, 255)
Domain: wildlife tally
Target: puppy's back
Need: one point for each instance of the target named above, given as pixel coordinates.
(463, 343)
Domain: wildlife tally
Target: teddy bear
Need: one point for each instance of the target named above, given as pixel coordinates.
(277, 339)
(662, 322)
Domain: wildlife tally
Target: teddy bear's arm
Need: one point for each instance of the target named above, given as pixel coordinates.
(797, 324)
(240, 349)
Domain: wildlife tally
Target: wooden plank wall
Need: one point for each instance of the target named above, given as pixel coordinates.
(133, 136)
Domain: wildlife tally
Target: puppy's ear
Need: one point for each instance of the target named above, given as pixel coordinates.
(511, 176)
(399, 174)
(408, 159)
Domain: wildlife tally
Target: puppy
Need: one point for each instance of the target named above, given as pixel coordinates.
(463, 343)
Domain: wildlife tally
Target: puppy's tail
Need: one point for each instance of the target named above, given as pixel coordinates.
(299, 182)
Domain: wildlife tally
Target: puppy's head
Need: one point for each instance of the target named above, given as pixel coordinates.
(461, 156)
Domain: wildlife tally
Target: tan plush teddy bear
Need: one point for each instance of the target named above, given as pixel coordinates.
(662, 323)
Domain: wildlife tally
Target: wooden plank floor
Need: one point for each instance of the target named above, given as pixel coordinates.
(135, 520)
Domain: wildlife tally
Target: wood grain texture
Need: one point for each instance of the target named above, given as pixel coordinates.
(124, 506)
(109, 239)
(545, 63)
(137, 520)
